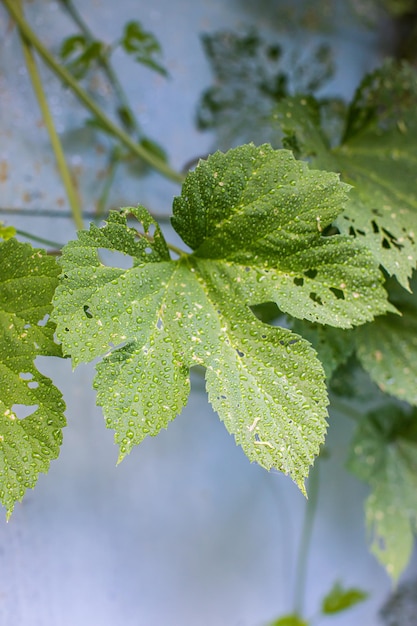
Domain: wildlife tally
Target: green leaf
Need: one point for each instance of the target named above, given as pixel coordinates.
(6, 232)
(340, 599)
(143, 46)
(376, 155)
(263, 213)
(28, 278)
(388, 350)
(80, 54)
(289, 620)
(251, 214)
(384, 454)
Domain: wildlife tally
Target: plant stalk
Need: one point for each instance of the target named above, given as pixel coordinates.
(46, 242)
(64, 171)
(82, 95)
(105, 65)
(305, 541)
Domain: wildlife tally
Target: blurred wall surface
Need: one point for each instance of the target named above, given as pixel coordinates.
(185, 531)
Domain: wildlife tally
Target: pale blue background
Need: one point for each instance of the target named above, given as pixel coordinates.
(185, 531)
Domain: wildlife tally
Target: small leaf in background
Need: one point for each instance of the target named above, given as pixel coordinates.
(388, 349)
(384, 454)
(376, 155)
(28, 278)
(142, 46)
(339, 599)
(251, 216)
(289, 620)
(6, 232)
(80, 54)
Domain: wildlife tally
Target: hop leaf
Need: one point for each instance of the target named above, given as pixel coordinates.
(251, 218)
(388, 351)
(376, 155)
(28, 278)
(384, 453)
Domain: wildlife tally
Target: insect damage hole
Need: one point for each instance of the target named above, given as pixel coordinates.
(24, 410)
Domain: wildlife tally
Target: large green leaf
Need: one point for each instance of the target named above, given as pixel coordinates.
(384, 453)
(388, 349)
(377, 155)
(251, 217)
(28, 278)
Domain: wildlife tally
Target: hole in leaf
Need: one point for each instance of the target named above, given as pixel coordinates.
(152, 230)
(114, 258)
(338, 293)
(316, 298)
(298, 281)
(311, 274)
(148, 250)
(44, 320)
(392, 240)
(87, 311)
(159, 324)
(267, 312)
(26, 375)
(240, 353)
(23, 410)
(33, 384)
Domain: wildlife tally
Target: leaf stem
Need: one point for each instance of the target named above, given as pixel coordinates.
(305, 541)
(46, 242)
(178, 251)
(65, 174)
(82, 95)
(170, 246)
(104, 64)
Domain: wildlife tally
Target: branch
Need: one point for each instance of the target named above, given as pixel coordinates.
(65, 174)
(82, 95)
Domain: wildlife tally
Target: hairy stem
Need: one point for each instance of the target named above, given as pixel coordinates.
(82, 95)
(65, 174)
(104, 63)
(305, 542)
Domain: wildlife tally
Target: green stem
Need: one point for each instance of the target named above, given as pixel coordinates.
(46, 242)
(103, 62)
(73, 84)
(178, 251)
(65, 174)
(305, 542)
(102, 201)
(170, 246)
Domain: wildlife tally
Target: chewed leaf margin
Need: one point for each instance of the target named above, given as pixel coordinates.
(28, 278)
